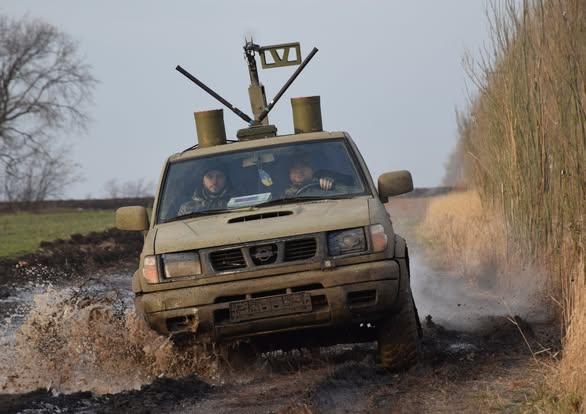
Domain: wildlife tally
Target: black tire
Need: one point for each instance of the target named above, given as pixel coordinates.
(398, 335)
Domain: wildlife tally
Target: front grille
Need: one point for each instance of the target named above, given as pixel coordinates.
(224, 260)
(301, 249)
(256, 255)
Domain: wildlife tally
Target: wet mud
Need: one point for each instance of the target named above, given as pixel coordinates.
(161, 395)
(342, 379)
(100, 361)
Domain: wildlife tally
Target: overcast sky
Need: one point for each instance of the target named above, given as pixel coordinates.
(388, 72)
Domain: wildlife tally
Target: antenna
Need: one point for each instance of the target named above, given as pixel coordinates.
(287, 54)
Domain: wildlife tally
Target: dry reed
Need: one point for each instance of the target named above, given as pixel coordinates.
(469, 239)
(524, 148)
(464, 236)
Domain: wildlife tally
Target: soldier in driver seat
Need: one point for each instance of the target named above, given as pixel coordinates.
(302, 176)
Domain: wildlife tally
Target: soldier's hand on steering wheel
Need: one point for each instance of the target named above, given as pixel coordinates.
(326, 183)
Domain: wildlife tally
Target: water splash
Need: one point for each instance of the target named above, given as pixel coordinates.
(87, 340)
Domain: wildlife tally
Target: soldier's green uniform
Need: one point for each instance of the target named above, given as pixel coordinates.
(203, 200)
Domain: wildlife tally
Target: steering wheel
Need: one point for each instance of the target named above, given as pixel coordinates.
(306, 187)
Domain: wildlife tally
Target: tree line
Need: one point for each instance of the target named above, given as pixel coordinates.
(45, 90)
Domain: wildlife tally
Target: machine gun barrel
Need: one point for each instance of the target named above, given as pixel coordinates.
(199, 83)
(270, 106)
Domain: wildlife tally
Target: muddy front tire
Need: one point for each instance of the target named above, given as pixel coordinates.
(399, 335)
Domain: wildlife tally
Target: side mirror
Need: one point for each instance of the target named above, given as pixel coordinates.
(394, 183)
(132, 218)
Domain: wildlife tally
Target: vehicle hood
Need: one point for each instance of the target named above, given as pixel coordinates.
(230, 228)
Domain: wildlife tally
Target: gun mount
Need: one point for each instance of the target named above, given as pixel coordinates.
(274, 56)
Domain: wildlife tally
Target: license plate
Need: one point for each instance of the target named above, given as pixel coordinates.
(270, 306)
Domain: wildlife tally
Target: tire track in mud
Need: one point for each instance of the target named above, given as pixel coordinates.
(296, 383)
(352, 388)
(459, 372)
(274, 392)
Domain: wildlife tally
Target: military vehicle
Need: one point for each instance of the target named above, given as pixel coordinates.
(240, 249)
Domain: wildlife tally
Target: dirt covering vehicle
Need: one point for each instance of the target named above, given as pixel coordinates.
(278, 241)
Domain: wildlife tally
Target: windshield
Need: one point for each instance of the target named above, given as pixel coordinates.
(277, 174)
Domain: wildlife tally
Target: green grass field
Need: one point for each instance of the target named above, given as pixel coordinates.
(23, 232)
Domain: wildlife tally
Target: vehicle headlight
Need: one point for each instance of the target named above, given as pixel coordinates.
(346, 241)
(150, 272)
(379, 238)
(181, 264)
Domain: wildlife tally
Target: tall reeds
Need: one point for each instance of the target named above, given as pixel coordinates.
(524, 145)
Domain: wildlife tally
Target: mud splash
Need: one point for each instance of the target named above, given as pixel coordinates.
(87, 340)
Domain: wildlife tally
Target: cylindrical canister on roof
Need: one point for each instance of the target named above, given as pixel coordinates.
(210, 127)
(306, 114)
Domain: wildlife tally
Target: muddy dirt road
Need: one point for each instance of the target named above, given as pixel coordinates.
(70, 345)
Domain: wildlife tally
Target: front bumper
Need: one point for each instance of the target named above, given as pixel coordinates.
(340, 296)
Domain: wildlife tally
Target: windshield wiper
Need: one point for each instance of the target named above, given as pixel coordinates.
(195, 214)
(288, 200)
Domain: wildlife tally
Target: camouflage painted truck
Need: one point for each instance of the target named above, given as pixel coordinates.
(269, 263)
